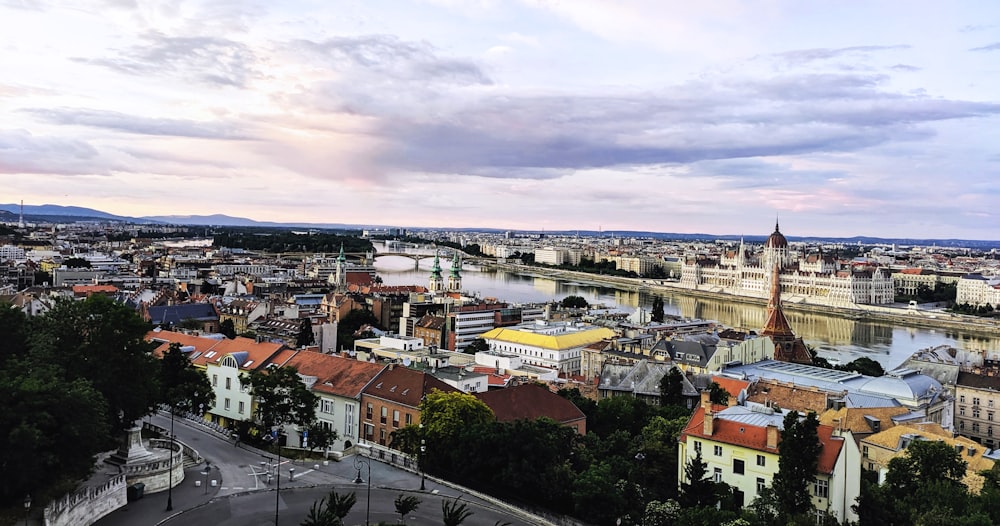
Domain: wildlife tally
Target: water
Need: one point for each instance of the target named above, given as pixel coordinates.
(836, 338)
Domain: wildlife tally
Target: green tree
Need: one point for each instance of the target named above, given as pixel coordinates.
(405, 505)
(865, 366)
(798, 459)
(281, 397)
(672, 387)
(227, 328)
(574, 302)
(330, 510)
(587, 405)
(657, 314)
(717, 394)
(183, 387)
(349, 326)
(454, 513)
(599, 495)
(305, 337)
(698, 489)
(106, 341)
(477, 345)
(445, 414)
(320, 437)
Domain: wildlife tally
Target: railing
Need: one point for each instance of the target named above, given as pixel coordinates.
(53, 512)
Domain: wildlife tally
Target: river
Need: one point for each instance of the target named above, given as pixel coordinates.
(837, 338)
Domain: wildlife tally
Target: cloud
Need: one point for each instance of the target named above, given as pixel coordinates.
(991, 47)
(112, 120)
(209, 60)
(23, 152)
(804, 56)
(904, 67)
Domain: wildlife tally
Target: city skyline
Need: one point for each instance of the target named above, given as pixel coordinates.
(842, 120)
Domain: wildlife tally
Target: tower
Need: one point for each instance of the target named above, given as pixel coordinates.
(340, 279)
(436, 282)
(787, 347)
(454, 277)
(20, 221)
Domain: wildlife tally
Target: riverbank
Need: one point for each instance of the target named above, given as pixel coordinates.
(895, 314)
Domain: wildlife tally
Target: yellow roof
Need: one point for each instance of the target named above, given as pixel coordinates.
(974, 464)
(560, 341)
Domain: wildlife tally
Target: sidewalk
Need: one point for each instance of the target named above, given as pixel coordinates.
(152, 508)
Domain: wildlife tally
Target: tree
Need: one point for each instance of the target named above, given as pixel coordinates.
(183, 386)
(587, 405)
(657, 314)
(445, 414)
(672, 387)
(405, 505)
(106, 341)
(718, 395)
(798, 459)
(306, 336)
(574, 302)
(350, 324)
(320, 437)
(477, 345)
(698, 489)
(227, 328)
(454, 513)
(330, 510)
(865, 366)
(281, 397)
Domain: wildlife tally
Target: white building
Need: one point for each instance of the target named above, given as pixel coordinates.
(978, 290)
(556, 346)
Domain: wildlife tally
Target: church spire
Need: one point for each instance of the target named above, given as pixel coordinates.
(436, 282)
(787, 347)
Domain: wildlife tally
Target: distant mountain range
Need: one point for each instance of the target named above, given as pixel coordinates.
(58, 213)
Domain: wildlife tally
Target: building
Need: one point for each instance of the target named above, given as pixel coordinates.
(878, 449)
(557, 345)
(740, 445)
(392, 401)
(338, 382)
(815, 277)
(977, 403)
(978, 290)
(787, 347)
(531, 402)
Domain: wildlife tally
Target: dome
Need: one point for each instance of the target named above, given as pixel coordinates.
(903, 385)
(776, 240)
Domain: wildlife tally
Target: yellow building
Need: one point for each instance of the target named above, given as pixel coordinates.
(739, 445)
(557, 345)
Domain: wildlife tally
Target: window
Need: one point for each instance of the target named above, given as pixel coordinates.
(989, 403)
(760, 460)
(384, 414)
(738, 467)
(975, 401)
(717, 475)
(326, 406)
(961, 399)
(242, 406)
(229, 383)
(368, 411)
(349, 419)
(215, 380)
(718, 451)
(227, 404)
(395, 418)
(975, 412)
(864, 451)
(408, 418)
(989, 415)
(369, 431)
(760, 485)
(697, 446)
(989, 431)
(961, 411)
(975, 427)
(821, 488)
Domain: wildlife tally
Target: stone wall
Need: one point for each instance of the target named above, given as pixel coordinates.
(86, 506)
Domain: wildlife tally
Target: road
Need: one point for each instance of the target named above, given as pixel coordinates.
(242, 496)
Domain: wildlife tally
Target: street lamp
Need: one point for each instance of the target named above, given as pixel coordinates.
(27, 508)
(170, 463)
(358, 462)
(277, 473)
(206, 471)
(420, 461)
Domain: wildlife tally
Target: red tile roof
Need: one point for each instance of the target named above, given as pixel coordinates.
(336, 375)
(731, 385)
(755, 437)
(405, 386)
(528, 402)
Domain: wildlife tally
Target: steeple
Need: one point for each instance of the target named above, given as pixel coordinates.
(436, 282)
(454, 277)
(787, 347)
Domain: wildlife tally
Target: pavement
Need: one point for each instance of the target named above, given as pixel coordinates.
(239, 470)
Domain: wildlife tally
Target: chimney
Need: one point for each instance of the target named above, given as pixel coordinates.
(708, 422)
(772, 436)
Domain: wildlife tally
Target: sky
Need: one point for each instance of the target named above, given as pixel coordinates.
(878, 118)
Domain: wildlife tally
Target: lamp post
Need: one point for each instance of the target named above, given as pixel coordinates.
(277, 474)
(206, 471)
(27, 508)
(358, 462)
(170, 463)
(420, 461)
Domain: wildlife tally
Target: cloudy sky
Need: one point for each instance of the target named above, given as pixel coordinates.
(841, 118)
